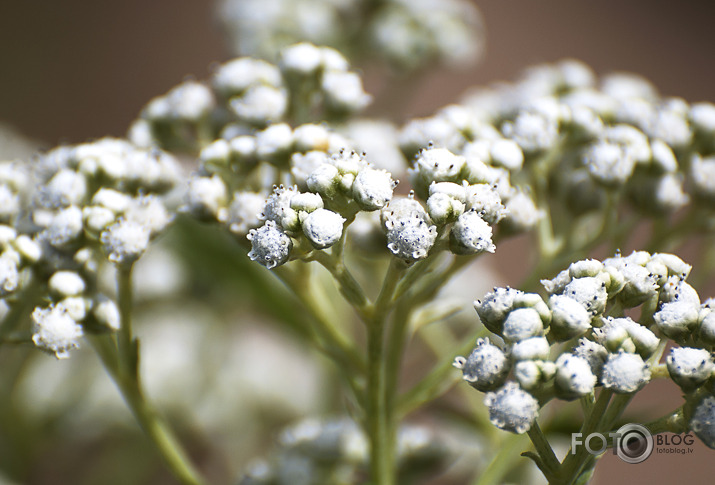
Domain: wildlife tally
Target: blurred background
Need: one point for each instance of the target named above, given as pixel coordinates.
(78, 69)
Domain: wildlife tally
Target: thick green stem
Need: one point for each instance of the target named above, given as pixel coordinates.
(121, 360)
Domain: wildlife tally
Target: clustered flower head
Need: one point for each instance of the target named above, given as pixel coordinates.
(571, 342)
(68, 214)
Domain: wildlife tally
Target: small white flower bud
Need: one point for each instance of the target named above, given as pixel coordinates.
(702, 421)
(410, 238)
(372, 189)
(150, 212)
(323, 228)
(55, 331)
(303, 58)
(590, 292)
(558, 283)
(569, 318)
(677, 319)
(495, 306)
(594, 353)
(9, 203)
(507, 154)
(521, 324)
(274, 141)
(343, 91)
(534, 348)
(471, 235)
(260, 104)
(485, 199)
(65, 226)
(125, 241)
(532, 131)
(608, 163)
(530, 374)
(573, 377)
(455, 191)
(435, 165)
(304, 164)
(512, 409)
(703, 117)
(675, 288)
(28, 248)
(306, 202)
(97, 218)
(237, 75)
(9, 276)
(244, 211)
(66, 187)
(486, 368)
(706, 332)
(586, 267)
(625, 373)
(689, 367)
(206, 197)
(402, 208)
(702, 174)
(112, 199)
(521, 213)
(443, 209)
(675, 265)
(270, 246)
(324, 180)
(66, 283)
(218, 152)
(107, 313)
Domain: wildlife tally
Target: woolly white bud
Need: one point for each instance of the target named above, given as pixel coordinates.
(573, 377)
(702, 173)
(190, 101)
(435, 165)
(586, 267)
(569, 318)
(702, 421)
(98, 218)
(534, 348)
(260, 104)
(703, 117)
(206, 197)
(507, 154)
(323, 228)
(150, 212)
(590, 292)
(343, 91)
(303, 58)
(402, 208)
(512, 409)
(107, 313)
(125, 241)
(521, 213)
(274, 141)
(677, 319)
(66, 187)
(558, 283)
(689, 367)
(410, 238)
(237, 75)
(28, 248)
(65, 226)
(624, 373)
(66, 283)
(594, 353)
(306, 202)
(218, 152)
(9, 275)
(486, 368)
(324, 180)
(532, 131)
(495, 306)
(372, 189)
(521, 324)
(707, 327)
(471, 235)
(485, 199)
(55, 331)
(270, 246)
(442, 208)
(609, 163)
(112, 199)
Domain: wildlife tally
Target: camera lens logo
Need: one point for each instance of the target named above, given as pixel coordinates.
(634, 444)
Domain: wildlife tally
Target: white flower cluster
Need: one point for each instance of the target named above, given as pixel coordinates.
(245, 95)
(72, 205)
(584, 138)
(407, 34)
(615, 352)
(334, 451)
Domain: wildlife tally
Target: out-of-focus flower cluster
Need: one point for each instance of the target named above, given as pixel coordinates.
(577, 339)
(405, 34)
(75, 207)
(247, 94)
(336, 451)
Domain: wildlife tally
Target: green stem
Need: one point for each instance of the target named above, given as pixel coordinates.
(503, 462)
(543, 448)
(120, 358)
(348, 285)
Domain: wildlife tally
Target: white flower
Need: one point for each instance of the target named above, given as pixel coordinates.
(521, 212)
(486, 368)
(98, 218)
(706, 332)
(125, 241)
(533, 348)
(274, 141)
(66, 187)
(107, 313)
(190, 101)
(112, 199)
(55, 331)
(677, 319)
(435, 165)
(471, 235)
(150, 212)
(260, 104)
(410, 238)
(569, 318)
(66, 283)
(306, 202)
(372, 189)
(28, 248)
(206, 197)
(323, 228)
(609, 163)
(270, 246)
(9, 203)
(594, 353)
(590, 292)
(9, 275)
(402, 208)
(689, 367)
(343, 91)
(303, 58)
(521, 324)
(512, 409)
(442, 208)
(277, 208)
(237, 75)
(244, 212)
(324, 180)
(703, 117)
(65, 226)
(702, 173)
(573, 376)
(485, 199)
(624, 372)
(495, 306)
(533, 131)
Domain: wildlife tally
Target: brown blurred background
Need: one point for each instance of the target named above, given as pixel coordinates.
(79, 69)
